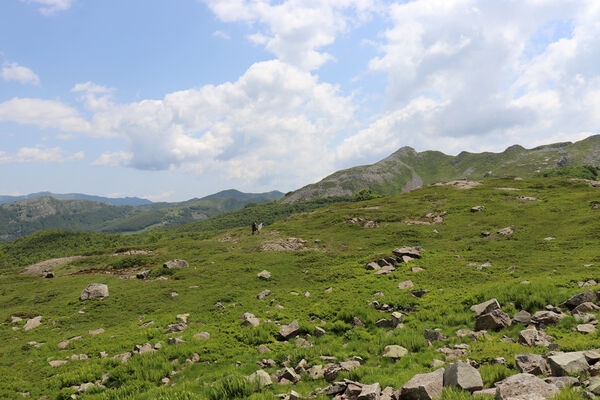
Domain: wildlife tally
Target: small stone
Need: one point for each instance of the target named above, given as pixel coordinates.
(586, 328)
(182, 318)
(263, 294)
(289, 331)
(320, 331)
(477, 209)
(96, 331)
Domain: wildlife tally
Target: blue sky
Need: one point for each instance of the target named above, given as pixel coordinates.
(170, 100)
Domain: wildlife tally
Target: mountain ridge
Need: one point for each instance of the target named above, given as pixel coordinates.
(406, 169)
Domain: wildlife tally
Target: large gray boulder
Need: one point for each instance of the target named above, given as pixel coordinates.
(462, 375)
(568, 363)
(94, 291)
(424, 386)
(485, 307)
(492, 321)
(524, 387)
(534, 364)
(289, 331)
(584, 297)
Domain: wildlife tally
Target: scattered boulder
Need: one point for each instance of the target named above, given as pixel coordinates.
(461, 374)
(249, 319)
(176, 264)
(562, 382)
(260, 378)
(143, 274)
(433, 335)
(568, 363)
(545, 318)
(534, 337)
(495, 320)
(485, 307)
(524, 387)
(534, 364)
(264, 275)
(370, 392)
(584, 297)
(585, 328)
(57, 363)
(289, 331)
(94, 291)
(320, 331)
(263, 349)
(316, 371)
(424, 386)
(174, 340)
(585, 308)
(394, 351)
(522, 317)
(412, 252)
(33, 323)
(477, 209)
(405, 285)
(202, 335)
(419, 293)
(65, 343)
(263, 294)
(182, 318)
(506, 231)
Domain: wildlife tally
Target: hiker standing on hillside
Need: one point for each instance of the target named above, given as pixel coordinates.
(254, 227)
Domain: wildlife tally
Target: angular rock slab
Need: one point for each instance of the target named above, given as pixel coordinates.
(462, 375)
(589, 296)
(485, 307)
(394, 351)
(289, 331)
(524, 387)
(568, 363)
(94, 291)
(492, 321)
(33, 323)
(533, 364)
(424, 386)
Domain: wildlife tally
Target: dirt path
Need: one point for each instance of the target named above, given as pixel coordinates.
(48, 265)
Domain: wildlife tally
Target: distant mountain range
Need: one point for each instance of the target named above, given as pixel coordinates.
(34, 213)
(407, 169)
(123, 201)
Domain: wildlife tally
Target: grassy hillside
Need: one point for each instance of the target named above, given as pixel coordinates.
(407, 169)
(524, 271)
(28, 216)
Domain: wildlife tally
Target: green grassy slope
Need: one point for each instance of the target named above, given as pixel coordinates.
(406, 169)
(223, 268)
(21, 218)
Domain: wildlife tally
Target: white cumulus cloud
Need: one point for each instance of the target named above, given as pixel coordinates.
(43, 113)
(51, 7)
(40, 154)
(12, 71)
(294, 30)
